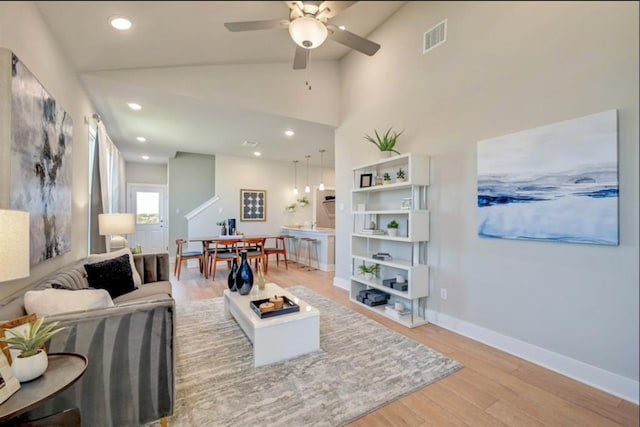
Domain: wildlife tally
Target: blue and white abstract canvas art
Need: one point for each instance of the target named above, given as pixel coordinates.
(557, 182)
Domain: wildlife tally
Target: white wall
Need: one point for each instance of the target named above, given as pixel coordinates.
(23, 31)
(236, 173)
(506, 67)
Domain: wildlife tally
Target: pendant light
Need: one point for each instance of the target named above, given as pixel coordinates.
(295, 176)
(321, 186)
(307, 189)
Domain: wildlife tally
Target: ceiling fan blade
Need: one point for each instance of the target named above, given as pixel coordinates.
(353, 41)
(300, 58)
(335, 7)
(256, 25)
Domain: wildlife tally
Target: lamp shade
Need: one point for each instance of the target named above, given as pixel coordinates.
(14, 244)
(308, 32)
(116, 223)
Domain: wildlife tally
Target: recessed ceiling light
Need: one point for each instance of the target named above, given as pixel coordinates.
(257, 153)
(134, 106)
(145, 157)
(342, 27)
(120, 23)
(289, 132)
(141, 138)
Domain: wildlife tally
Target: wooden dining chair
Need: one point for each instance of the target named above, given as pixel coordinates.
(223, 250)
(255, 249)
(278, 249)
(182, 256)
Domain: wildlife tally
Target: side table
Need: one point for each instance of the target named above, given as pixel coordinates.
(64, 369)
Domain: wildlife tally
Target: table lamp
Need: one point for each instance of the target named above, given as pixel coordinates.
(14, 244)
(116, 224)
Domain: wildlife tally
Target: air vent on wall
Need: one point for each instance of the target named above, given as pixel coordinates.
(435, 36)
(249, 144)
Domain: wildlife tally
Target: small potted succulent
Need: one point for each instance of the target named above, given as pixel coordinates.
(400, 176)
(386, 178)
(385, 142)
(32, 360)
(392, 228)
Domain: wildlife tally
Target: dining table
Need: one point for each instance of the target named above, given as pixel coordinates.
(207, 241)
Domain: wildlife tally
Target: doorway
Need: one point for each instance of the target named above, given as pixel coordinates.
(148, 203)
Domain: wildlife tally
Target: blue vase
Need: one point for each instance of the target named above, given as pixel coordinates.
(231, 280)
(244, 276)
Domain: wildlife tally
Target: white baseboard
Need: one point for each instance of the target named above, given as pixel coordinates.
(341, 283)
(609, 382)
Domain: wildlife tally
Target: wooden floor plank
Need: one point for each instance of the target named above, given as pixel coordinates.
(493, 385)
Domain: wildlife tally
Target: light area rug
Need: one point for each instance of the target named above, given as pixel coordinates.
(361, 366)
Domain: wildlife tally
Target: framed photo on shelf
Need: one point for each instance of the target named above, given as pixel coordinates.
(366, 180)
(8, 383)
(253, 205)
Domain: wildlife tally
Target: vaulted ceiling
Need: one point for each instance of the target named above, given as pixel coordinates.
(204, 89)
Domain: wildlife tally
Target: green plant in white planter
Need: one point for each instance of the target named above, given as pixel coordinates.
(303, 201)
(400, 176)
(369, 271)
(387, 178)
(32, 360)
(385, 142)
(392, 228)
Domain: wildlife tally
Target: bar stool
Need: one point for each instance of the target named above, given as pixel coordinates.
(309, 242)
(292, 244)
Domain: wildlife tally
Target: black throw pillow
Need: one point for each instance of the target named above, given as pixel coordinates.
(114, 275)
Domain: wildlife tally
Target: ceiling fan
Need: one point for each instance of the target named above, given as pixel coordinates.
(308, 28)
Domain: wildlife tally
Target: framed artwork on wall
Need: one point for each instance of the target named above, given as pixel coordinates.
(557, 182)
(41, 143)
(253, 205)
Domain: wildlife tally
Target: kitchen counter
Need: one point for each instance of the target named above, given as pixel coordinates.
(326, 247)
(328, 231)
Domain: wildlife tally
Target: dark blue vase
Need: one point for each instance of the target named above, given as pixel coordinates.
(231, 280)
(244, 276)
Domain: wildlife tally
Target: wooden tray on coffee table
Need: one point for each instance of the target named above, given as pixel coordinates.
(288, 306)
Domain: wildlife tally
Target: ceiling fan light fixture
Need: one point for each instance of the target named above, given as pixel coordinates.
(308, 32)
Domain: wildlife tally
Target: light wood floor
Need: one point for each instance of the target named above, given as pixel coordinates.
(493, 389)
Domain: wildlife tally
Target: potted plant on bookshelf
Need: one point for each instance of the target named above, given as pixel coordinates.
(385, 142)
(400, 177)
(369, 271)
(392, 228)
(386, 178)
(32, 360)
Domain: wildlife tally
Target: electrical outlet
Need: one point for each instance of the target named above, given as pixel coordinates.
(443, 293)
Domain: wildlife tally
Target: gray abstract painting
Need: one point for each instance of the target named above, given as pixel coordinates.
(41, 142)
(557, 182)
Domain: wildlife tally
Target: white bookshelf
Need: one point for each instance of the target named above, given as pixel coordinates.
(406, 203)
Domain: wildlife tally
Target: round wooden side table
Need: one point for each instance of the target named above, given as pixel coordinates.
(64, 369)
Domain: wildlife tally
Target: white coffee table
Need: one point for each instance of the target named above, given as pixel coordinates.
(275, 338)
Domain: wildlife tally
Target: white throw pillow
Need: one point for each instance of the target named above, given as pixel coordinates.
(93, 258)
(47, 302)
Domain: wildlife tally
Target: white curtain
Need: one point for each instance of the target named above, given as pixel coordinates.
(112, 174)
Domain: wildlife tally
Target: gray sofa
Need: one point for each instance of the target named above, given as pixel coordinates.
(129, 380)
